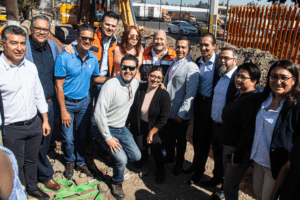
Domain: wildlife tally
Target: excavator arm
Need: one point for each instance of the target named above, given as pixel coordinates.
(126, 12)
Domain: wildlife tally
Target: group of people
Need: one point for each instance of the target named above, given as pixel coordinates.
(137, 101)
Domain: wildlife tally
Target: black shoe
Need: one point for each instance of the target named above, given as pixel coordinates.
(194, 179)
(212, 182)
(189, 170)
(38, 194)
(160, 176)
(84, 169)
(177, 170)
(168, 160)
(117, 190)
(139, 164)
(219, 195)
(69, 171)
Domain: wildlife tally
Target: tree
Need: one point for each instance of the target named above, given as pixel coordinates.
(166, 3)
(26, 5)
(283, 1)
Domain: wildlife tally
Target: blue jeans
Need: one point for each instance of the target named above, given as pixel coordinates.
(80, 112)
(129, 150)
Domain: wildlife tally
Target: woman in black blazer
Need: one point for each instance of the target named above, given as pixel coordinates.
(149, 113)
(277, 126)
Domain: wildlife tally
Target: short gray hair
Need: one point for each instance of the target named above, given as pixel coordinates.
(15, 30)
(39, 17)
(234, 52)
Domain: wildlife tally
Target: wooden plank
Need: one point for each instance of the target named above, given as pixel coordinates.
(252, 25)
(233, 27)
(262, 41)
(248, 27)
(239, 30)
(279, 37)
(285, 34)
(276, 30)
(294, 39)
(245, 27)
(229, 23)
(260, 25)
(291, 28)
(242, 27)
(272, 28)
(268, 26)
(235, 24)
(256, 26)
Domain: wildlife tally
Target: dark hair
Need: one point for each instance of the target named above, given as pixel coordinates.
(185, 38)
(85, 27)
(39, 17)
(234, 53)
(213, 38)
(252, 69)
(15, 30)
(156, 68)
(110, 14)
(292, 97)
(124, 40)
(130, 57)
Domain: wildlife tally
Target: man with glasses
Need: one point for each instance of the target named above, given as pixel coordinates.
(222, 94)
(73, 74)
(111, 112)
(42, 52)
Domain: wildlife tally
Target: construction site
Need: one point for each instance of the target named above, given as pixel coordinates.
(262, 34)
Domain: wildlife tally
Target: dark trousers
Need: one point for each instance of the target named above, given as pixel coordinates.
(141, 141)
(176, 137)
(201, 134)
(24, 142)
(217, 147)
(45, 170)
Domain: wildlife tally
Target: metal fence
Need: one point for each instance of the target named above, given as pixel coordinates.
(274, 29)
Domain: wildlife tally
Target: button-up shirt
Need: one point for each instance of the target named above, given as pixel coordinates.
(43, 60)
(22, 91)
(104, 64)
(264, 127)
(156, 60)
(175, 66)
(206, 76)
(219, 98)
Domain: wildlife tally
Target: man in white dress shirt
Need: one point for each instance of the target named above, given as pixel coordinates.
(22, 95)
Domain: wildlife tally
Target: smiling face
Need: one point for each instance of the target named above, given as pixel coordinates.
(85, 39)
(109, 26)
(206, 47)
(126, 74)
(133, 37)
(226, 61)
(243, 81)
(159, 42)
(40, 32)
(15, 48)
(154, 79)
(182, 49)
(280, 87)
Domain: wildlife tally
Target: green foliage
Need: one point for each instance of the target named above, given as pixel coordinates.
(283, 1)
(26, 5)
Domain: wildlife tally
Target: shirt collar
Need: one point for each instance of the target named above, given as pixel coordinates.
(122, 82)
(229, 74)
(8, 65)
(103, 38)
(36, 47)
(77, 55)
(183, 59)
(211, 60)
(154, 54)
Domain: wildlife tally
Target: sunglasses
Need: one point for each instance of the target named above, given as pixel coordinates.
(134, 36)
(87, 38)
(125, 67)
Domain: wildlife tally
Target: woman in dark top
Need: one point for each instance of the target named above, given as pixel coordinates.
(149, 113)
(238, 120)
(277, 125)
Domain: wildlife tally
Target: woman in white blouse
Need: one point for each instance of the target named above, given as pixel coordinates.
(277, 125)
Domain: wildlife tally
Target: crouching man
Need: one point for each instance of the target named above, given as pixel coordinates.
(112, 108)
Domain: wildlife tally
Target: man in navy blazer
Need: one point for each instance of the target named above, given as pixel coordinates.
(42, 52)
(181, 81)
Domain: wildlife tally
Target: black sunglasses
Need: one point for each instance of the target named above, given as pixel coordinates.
(125, 67)
(87, 38)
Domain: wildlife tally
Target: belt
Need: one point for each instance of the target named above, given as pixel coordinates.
(203, 97)
(48, 100)
(23, 123)
(73, 100)
(217, 123)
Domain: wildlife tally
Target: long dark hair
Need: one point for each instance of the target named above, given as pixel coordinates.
(123, 44)
(292, 97)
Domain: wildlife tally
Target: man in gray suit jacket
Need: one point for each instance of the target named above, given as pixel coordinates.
(181, 81)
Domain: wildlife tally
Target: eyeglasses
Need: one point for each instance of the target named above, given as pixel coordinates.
(155, 77)
(38, 29)
(282, 79)
(125, 67)
(134, 36)
(242, 77)
(129, 91)
(87, 38)
(225, 58)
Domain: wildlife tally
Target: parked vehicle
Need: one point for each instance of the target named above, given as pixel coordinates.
(176, 15)
(220, 31)
(182, 28)
(165, 15)
(201, 27)
(154, 13)
(140, 12)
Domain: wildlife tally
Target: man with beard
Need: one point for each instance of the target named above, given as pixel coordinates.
(158, 54)
(73, 75)
(209, 74)
(222, 94)
(181, 81)
(111, 111)
(42, 52)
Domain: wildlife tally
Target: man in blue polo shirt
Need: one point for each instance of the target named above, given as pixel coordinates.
(73, 75)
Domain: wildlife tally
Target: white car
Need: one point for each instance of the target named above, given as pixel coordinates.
(182, 28)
